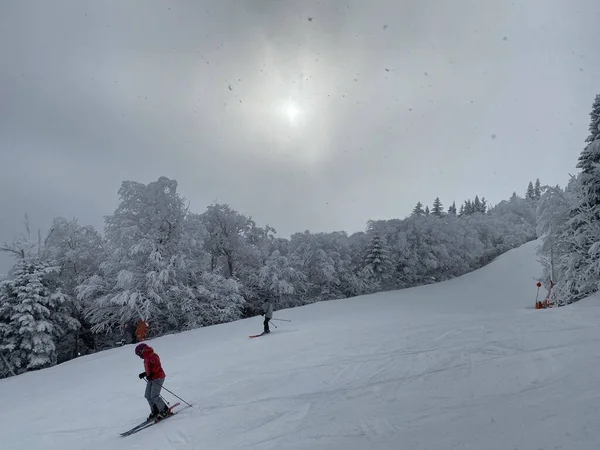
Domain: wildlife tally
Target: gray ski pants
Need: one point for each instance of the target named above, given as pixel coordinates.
(153, 395)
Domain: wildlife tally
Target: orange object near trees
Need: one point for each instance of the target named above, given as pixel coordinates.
(141, 331)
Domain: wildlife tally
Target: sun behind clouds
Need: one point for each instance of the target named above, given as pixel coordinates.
(291, 111)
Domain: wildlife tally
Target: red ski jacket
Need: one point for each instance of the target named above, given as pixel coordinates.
(152, 365)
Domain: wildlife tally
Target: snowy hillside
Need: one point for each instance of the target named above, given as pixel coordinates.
(465, 364)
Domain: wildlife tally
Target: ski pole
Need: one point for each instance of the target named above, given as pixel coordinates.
(282, 320)
(174, 395)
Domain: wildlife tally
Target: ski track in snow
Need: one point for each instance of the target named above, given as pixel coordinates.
(464, 364)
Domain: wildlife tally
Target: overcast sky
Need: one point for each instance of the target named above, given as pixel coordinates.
(302, 114)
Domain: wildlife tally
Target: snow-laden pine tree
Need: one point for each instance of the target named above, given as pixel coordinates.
(581, 266)
(578, 268)
(77, 250)
(595, 121)
(589, 159)
(378, 262)
(33, 316)
(559, 252)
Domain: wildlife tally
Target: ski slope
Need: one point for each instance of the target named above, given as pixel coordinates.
(463, 364)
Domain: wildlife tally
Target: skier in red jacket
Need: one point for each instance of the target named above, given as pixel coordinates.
(155, 377)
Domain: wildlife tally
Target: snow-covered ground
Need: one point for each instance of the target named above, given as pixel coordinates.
(464, 364)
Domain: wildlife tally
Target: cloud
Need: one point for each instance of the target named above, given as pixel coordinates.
(396, 102)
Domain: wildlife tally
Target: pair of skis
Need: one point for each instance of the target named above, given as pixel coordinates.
(149, 422)
(257, 335)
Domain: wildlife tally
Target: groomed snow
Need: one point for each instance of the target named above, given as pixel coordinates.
(464, 364)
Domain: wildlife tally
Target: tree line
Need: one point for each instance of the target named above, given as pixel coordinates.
(568, 221)
(75, 291)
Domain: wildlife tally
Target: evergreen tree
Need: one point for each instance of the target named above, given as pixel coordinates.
(437, 207)
(378, 262)
(477, 204)
(427, 210)
(461, 211)
(530, 194)
(537, 190)
(590, 157)
(469, 207)
(576, 243)
(582, 264)
(514, 197)
(483, 205)
(418, 210)
(452, 209)
(595, 121)
(33, 316)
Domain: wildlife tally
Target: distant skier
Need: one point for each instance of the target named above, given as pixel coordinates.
(155, 377)
(268, 313)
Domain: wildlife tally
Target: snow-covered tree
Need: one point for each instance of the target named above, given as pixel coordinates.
(146, 268)
(75, 248)
(569, 221)
(214, 300)
(580, 265)
(178, 270)
(554, 213)
(377, 260)
(24, 246)
(595, 121)
(589, 163)
(309, 254)
(256, 245)
(278, 281)
(77, 251)
(226, 232)
(33, 316)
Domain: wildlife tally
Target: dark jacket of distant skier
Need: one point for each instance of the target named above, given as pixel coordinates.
(155, 377)
(268, 313)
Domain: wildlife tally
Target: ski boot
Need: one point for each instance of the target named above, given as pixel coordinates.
(154, 414)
